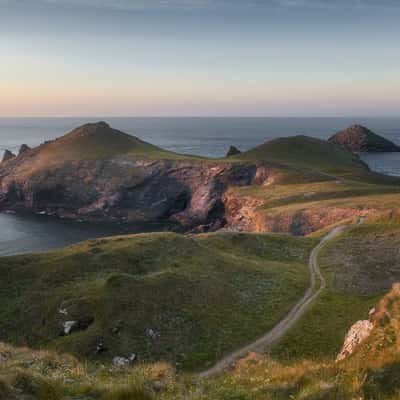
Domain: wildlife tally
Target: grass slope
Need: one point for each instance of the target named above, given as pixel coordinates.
(98, 141)
(183, 287)
(306, 152)
(370, 373)
(359, 267)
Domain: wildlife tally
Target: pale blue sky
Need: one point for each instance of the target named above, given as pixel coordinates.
(199, 57)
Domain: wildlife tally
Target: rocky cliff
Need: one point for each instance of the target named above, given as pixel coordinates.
(127, 186)
(98, 173)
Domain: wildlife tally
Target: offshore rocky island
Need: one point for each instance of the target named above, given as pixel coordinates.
(288, 291)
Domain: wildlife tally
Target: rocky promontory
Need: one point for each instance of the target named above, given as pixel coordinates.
(97, 173)
(359, 139)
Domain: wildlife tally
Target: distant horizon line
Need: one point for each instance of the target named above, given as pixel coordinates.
(99, 117)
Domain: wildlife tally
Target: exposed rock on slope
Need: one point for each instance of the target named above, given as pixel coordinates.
(246, 214)
(358, 138)
(356, 335)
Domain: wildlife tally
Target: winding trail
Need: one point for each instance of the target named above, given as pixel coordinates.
(291, 318)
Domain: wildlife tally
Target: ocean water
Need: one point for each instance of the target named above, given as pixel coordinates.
(202, 136)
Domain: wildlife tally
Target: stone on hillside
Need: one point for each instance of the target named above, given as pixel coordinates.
(357, 334)
(70, 326)
(8, 155)
(124, 361)
(152, 334)
(100, 347)
(233, 151)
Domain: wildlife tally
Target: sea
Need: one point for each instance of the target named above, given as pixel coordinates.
(203, 136)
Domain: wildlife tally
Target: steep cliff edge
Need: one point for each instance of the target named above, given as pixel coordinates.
(98, 173)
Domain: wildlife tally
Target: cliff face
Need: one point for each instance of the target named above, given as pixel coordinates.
(246, 214)
(189, 193)
(359, 139)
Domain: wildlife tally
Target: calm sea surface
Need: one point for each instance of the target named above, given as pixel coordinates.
(202, 136)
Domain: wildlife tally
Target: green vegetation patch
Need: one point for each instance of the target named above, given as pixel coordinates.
(308, 152)
(184, 299)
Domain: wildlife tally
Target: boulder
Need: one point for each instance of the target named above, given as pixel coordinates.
(8, 155)
(124, 361)
(70, 326)
(357, 334)
(233, 151)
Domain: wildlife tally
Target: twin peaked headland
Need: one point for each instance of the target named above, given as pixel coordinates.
(98, 173)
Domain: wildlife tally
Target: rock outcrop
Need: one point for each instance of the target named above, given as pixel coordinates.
(356, 335)
(23, 149)
(359, 139)
(233, 151)
(8, 155)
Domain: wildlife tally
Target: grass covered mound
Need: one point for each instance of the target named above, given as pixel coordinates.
(96, 141)
(360, 267)
(184, 299)
(306, 152)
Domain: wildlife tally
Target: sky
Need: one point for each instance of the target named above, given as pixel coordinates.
(199, 58)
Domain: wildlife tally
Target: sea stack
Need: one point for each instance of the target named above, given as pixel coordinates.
(233, 151)
(8, 155)
(359, 139)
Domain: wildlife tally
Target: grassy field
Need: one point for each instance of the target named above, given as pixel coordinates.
(370, 373)
(183, 288)
(359, 267)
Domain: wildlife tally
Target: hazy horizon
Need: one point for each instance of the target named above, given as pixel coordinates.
(199, 58)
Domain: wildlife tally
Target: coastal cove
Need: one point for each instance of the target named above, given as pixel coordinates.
(29, 233)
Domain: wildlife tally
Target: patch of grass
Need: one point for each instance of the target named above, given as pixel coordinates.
(183, 288)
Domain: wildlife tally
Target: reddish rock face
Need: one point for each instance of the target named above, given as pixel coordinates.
(246, 214)
(187, 193)
(358, 139)
(194, 195)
